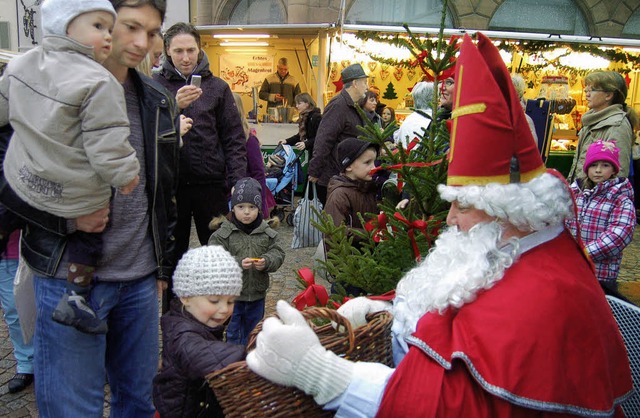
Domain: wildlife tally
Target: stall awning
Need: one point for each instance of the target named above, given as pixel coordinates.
(280, 30)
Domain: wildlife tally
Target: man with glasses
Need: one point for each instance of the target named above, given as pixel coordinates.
(339, 121)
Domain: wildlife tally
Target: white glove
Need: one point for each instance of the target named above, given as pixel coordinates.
(357, 309)
(289, 353)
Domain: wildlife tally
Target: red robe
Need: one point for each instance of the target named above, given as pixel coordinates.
(542, 342)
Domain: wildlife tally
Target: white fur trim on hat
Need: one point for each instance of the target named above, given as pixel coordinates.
(532, 206)
(207, 270)
(57, 14)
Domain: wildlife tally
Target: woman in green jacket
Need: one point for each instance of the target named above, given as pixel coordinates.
(608, 119)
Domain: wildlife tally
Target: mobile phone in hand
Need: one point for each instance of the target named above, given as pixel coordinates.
(195, 80)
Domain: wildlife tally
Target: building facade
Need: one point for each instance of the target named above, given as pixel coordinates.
(598, 18)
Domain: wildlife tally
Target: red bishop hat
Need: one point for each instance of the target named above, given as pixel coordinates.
(490, 138)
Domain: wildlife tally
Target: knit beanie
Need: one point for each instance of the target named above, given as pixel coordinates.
(247, 190)
(57, 14)
(350, 149)
(602, 151)
(207, 270)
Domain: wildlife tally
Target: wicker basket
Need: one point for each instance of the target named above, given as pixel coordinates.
(242, 393)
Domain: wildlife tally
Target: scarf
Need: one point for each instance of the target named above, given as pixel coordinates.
(247, 229)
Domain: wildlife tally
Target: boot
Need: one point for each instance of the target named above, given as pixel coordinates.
(73, 310)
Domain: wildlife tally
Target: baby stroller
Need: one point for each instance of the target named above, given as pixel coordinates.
(284, 173)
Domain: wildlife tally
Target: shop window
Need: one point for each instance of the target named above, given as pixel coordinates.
(542, 16)
(632, 27)
(249, 12)
(412, 12)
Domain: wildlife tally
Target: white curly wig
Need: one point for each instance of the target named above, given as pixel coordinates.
(542, 202)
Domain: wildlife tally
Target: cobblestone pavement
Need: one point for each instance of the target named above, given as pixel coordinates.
(283, 286)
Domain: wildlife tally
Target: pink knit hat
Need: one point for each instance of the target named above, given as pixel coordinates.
(602, 151)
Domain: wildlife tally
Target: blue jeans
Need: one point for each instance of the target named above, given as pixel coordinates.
(246, 316)
(22, 352)
(70, 366)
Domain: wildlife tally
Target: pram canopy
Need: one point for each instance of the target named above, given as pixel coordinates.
(289, 172)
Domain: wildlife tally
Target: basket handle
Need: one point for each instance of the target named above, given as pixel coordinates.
(314, 313)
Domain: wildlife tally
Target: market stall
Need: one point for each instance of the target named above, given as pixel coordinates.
(553, 69)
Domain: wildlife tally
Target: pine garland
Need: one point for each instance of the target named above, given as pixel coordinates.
(420, 48)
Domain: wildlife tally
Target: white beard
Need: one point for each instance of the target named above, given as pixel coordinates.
(457, 268)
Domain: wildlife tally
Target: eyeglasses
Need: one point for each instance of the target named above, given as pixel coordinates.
(448, 82)
(589, 90)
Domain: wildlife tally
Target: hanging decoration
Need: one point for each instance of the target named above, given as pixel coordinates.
(428, 55)
(334, 71)
(542, 55)
(390, 93)
(398, 73)
(339, 84)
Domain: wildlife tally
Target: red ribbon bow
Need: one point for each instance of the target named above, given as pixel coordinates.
(313, 295)
(381, 222)
(417, 224)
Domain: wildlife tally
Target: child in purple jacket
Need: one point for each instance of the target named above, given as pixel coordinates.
(606, 215)
(207, 282)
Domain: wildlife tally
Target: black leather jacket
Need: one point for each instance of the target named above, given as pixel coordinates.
(44, 237)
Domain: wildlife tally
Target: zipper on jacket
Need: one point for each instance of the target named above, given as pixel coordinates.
(154, 221)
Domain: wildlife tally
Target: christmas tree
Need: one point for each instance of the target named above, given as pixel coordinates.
(390, 92)
(396, 239)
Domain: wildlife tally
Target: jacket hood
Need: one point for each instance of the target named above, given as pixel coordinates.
(611, 188)
(171, 73)
(617, 186)
(227, 227)
(177, 311)
(609, 116)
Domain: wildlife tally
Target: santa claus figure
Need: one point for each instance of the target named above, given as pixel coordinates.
(503, 318)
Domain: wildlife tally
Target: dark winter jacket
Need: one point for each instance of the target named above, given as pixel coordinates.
(190, 351)
(261, 243)
(311, 129)
(44, 240)
(340, 120)
(214, 149)
(346, 198)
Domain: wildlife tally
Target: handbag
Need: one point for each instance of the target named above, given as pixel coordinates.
(304, 233)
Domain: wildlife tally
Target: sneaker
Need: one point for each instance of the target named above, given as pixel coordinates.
(20, 382)
(73, 310)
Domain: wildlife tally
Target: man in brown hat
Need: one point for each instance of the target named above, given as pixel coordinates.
(491, 323)
(339, 121)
